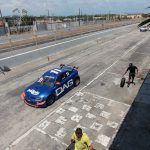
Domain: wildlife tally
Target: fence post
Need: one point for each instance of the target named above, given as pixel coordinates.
(35, 38)
(10, 41)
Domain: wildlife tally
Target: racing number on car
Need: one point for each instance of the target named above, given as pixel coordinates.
(60, 90)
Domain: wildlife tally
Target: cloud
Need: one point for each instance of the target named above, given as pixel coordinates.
(68, 7)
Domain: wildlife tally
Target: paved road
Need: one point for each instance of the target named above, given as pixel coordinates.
(16, 57)
(55, 27)
(134, 132)
(98, 104)
(23, 36)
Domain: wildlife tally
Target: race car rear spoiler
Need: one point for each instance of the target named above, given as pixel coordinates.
(64, 65)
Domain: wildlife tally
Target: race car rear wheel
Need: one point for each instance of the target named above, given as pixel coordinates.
(50, 100)
(76, 81)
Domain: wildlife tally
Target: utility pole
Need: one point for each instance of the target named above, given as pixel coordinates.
(48, 13)
(109, 15)
(2, 21)
(79, 16)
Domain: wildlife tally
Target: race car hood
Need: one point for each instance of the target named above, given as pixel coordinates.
(37, 90)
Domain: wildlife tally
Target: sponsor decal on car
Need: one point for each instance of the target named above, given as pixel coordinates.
(55, 71)
(33, 92)
(60, 90)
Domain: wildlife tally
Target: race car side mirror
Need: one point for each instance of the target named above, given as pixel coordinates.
(76, 67)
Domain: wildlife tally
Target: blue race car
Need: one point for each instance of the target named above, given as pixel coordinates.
(51, 85)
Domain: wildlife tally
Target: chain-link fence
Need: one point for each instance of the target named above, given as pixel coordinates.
(45, 32)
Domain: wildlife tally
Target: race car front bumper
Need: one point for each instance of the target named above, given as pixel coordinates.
(33, 104)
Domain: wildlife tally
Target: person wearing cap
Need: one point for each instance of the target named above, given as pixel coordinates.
(81, 140)
(132, 71)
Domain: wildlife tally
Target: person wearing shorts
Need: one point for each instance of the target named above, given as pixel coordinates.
(81, 140)
(133, 70)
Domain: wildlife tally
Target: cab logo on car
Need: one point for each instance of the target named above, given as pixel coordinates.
(33, 92)
(60, 90)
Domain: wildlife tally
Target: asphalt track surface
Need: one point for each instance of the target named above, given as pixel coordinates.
(98, 104)
(17, 57)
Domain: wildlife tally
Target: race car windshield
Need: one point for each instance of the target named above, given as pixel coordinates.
(47, 80)
(67, 68)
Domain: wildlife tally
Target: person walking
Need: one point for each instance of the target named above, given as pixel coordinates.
(80, 141)
(133, 70)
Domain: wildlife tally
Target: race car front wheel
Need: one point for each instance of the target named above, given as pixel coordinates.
(50, 100)
(76, 81)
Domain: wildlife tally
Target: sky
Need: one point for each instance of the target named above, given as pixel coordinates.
(71, 7)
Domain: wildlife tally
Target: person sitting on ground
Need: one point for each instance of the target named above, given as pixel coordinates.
(132, 71)
(81, 140)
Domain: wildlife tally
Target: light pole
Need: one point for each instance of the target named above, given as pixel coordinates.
(79, 16)
(48, 14)
(2, 21)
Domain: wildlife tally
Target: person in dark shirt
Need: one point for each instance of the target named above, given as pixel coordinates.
(132, 71)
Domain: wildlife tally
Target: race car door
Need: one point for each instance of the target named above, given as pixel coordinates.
(64, 82)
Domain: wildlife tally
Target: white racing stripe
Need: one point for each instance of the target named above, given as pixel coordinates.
(61, 43)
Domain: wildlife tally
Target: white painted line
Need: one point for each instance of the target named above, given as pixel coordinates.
(86, 54)
(30, 130)
(126, 76)
(61, 133)
(60, 111)
(48, 46)
(112, 124)
(117, 74)
(76, 118)
(73, 109)
(59, 43)
(116, 81)
(91, 116)
(79, 93)
(100, 106)
(103, 139)
(122, 114)
(111, 103)
(52, 137)
(3, 43)
(79, 126)
(143, 53)
(124, 54)
(61, 120)
(98, 96)
(21, 137)
(105, 114)
(44, 124)
(86, 107)
(96, 126)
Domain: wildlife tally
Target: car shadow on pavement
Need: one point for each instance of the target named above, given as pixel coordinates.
(60, 96)
(134, 133)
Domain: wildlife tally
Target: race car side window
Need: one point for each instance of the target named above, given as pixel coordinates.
(61, 77)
